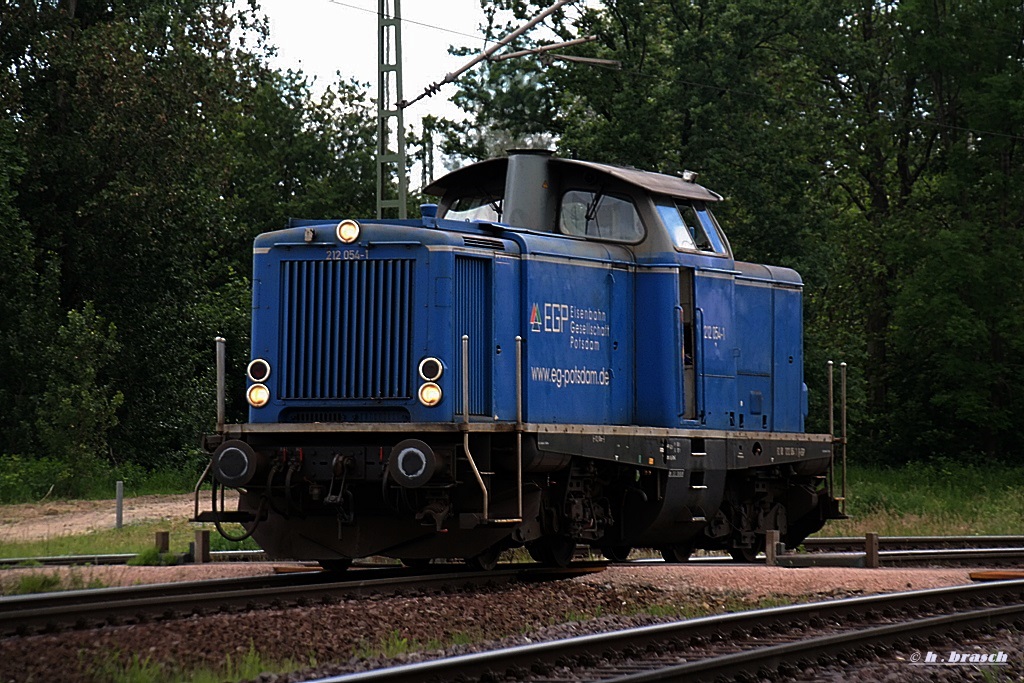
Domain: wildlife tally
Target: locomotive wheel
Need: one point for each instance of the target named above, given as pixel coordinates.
(335, 565)
(485, 561)
(539, 552)
(556, 551)
(745, 555)
(677, 553)
(617, 553)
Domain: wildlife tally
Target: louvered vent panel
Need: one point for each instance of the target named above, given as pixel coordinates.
(473, 318)
(346, 329)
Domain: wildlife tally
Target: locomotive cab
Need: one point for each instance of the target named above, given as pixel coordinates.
(564, 353)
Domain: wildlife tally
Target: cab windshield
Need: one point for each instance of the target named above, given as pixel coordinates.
(691, 226)
(474, 208)
(600, 216)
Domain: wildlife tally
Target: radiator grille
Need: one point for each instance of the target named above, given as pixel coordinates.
(472, 317)
(346, 329)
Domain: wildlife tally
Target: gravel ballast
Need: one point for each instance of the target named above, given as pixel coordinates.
(344, 635)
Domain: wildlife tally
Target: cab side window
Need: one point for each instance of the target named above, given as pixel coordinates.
(600, 216)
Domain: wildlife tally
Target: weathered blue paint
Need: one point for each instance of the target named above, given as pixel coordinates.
(603, 327)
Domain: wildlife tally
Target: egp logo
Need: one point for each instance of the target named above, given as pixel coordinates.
(549, 317)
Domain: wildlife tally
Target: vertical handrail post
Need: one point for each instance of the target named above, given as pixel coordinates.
(465, 379)
(842, 383)
(221, 344)
(831, 429)
(519, 425)
(465, 425)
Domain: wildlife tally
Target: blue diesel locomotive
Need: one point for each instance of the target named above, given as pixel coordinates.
(558, 353)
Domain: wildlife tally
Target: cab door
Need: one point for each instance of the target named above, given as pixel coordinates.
(687, 345)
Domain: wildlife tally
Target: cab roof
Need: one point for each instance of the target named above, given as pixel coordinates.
(475, 175)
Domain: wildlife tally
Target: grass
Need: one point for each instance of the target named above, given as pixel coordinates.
(246, 667)
(28, 480)
(45, 582)
(151, 557)
(394, 644)
(727, 604)
(578, 615)
(131, 538)
(932, 500)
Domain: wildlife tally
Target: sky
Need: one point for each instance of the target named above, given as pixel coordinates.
(321, 37)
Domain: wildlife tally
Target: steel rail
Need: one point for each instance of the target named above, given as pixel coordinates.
(915, 547)
(497, 663)
(983, 557)
(971, 556)
(122, 558)
(95, 607)
(915, 542)
(772, 657)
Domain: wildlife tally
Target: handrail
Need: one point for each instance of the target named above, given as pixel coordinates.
(680, 343)
(220, 344)
(519, 424)
(698, 413)
(842, 383)
(465, 425)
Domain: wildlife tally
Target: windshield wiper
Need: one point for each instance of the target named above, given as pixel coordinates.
(592, 211)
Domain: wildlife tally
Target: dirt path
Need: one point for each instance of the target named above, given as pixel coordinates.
(38, 521)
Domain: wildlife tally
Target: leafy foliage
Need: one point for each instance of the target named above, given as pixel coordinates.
(142, 146)
(77, 408)
(874, 147)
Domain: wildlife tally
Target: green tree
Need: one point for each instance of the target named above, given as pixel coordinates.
(957, 315)
(77, 408)
(120, 113)
(145, 145)
(874, 147)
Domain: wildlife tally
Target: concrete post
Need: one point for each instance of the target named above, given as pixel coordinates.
(163, 541)
(202, 546)
(771, 547)
(871, 550)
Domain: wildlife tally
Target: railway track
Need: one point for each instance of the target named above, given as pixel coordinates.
(898, 548)
(119, 559)
(48, 612)
(906, 551)
(841, 543)
(784, 640)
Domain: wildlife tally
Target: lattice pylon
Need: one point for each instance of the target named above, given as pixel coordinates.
(392, 184)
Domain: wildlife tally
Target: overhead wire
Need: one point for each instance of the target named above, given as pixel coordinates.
(434, 27)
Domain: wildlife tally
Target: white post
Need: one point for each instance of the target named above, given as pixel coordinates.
(120, 504)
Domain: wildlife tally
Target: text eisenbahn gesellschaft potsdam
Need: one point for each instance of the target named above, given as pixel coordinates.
(586, 328)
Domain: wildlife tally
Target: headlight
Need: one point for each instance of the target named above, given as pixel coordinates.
(431, 369)
(258, 370)
(430, 394)
(258, 395)
(348, 231)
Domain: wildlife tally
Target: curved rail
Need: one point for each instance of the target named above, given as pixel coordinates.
(972, 604)
(42, 612)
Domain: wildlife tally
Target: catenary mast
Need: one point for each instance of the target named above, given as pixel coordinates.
(390, 121)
